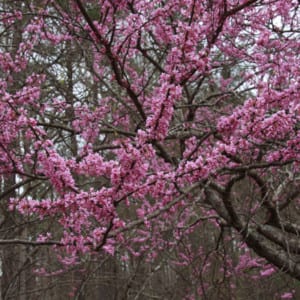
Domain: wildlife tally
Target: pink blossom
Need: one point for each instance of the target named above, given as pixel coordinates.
(287, 295)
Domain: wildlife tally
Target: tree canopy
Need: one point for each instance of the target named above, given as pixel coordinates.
(164, 131)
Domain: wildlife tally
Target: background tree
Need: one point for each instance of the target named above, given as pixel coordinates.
(154, 145)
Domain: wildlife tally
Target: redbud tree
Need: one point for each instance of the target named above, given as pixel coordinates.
(154, 128)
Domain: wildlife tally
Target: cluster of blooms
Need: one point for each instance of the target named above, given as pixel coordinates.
(54, 167)
(87, 121)
(162, 107)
